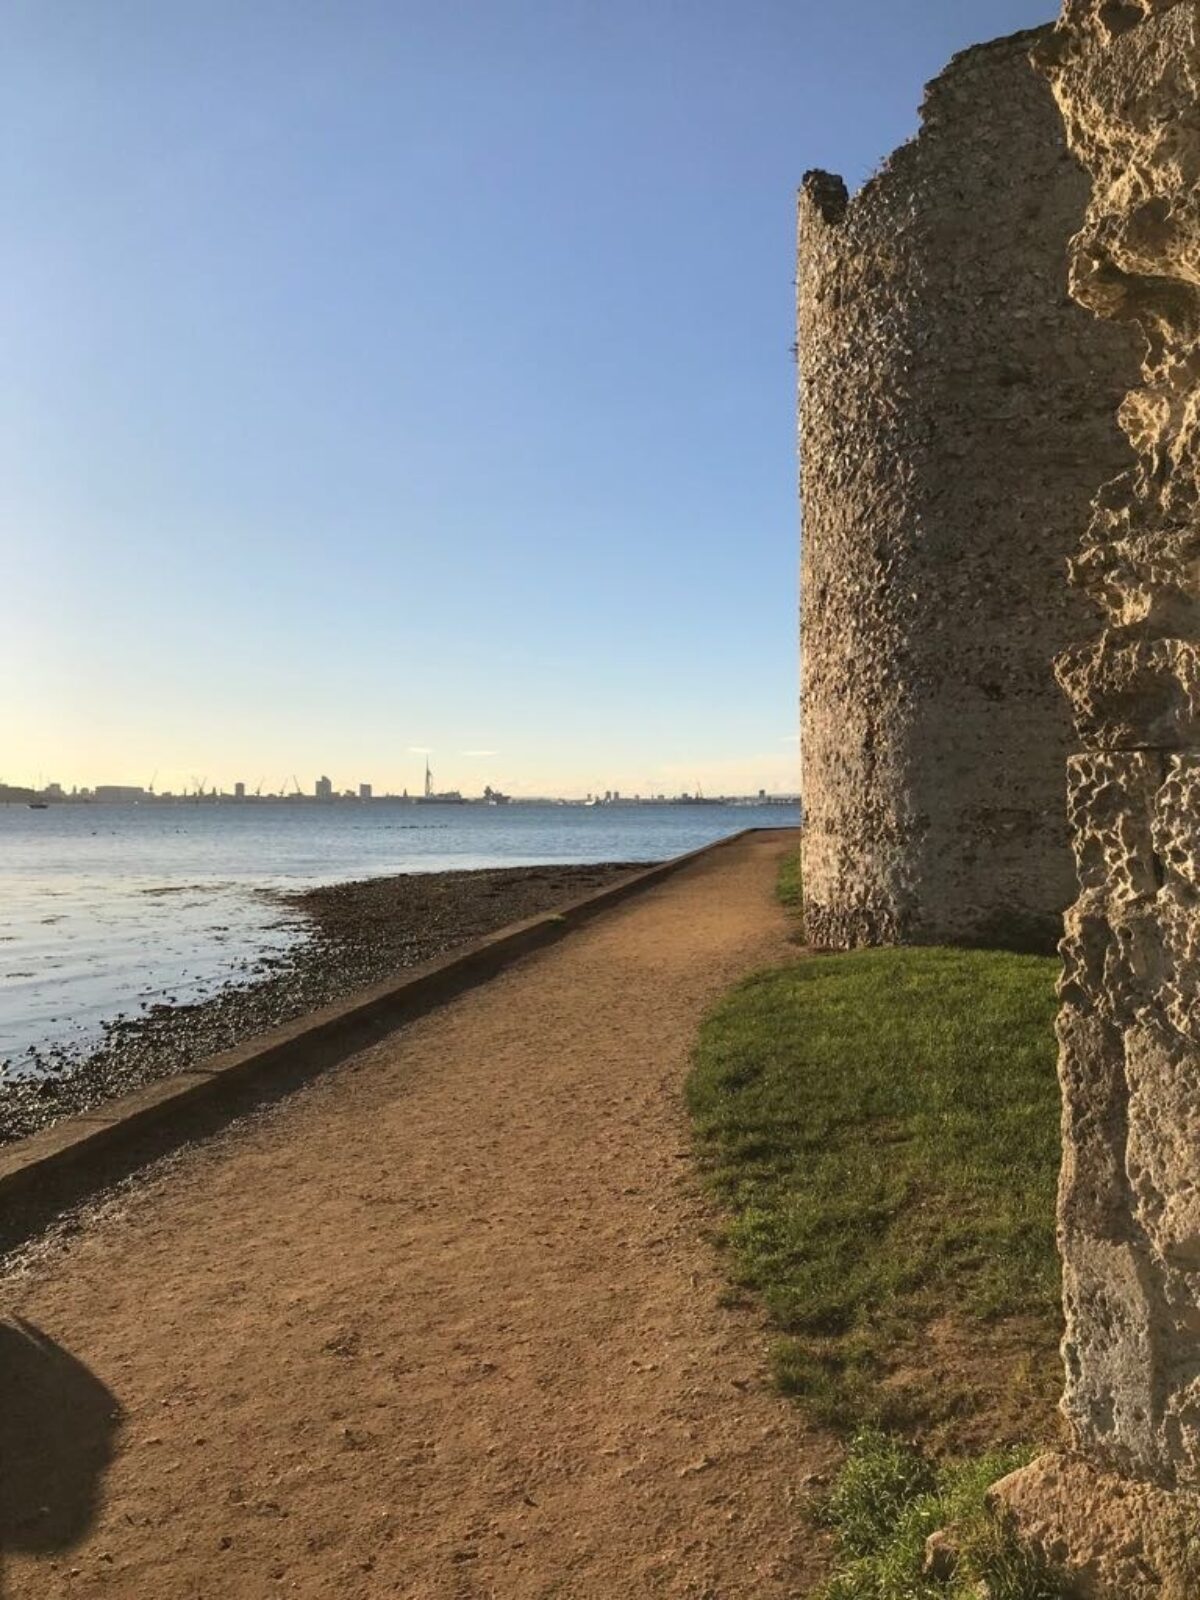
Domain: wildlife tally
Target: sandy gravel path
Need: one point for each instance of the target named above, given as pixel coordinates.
(445, 1324)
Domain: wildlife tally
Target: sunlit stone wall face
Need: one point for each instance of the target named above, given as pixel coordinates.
(957, 413)
(1127, 77)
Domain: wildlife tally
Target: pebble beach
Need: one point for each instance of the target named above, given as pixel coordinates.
(351, 935)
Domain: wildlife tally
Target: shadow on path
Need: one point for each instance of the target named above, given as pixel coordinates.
(57, 1426)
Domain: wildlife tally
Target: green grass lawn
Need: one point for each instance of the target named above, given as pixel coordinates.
(883, 1129)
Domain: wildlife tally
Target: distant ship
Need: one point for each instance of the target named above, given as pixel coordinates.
(38, 805)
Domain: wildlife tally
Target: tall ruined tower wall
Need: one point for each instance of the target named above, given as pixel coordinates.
(957, 412)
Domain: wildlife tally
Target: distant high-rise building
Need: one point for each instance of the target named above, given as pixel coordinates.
(324, 790)
(364, 791)
(239, 791)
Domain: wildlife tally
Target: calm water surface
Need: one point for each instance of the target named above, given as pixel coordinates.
(106, 910)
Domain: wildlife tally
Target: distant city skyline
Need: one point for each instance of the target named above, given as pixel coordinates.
(373, 777)
(384, 375)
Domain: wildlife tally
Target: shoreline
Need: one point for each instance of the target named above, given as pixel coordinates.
(358, 933)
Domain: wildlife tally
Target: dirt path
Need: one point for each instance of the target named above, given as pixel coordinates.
(445, 1324)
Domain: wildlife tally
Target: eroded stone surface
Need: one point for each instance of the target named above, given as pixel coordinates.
(1115, 1537)
(957, 414)
(1127, 76)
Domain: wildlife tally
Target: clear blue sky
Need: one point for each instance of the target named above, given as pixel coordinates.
(396, 374)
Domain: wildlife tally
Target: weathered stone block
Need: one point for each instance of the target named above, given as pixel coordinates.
(1163, 1074)
(1176, 836)
(1111, 797)
(1130, 693)
(1093, 1187)
(1112, 1536)
(1110, 1350)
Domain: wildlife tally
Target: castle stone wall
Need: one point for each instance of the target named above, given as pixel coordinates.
(957, 412)
(1122, 1512)
(1129, 81)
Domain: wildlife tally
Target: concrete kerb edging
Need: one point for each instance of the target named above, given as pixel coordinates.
(311, 1043)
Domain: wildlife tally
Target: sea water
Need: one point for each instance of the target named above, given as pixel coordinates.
(106, 910)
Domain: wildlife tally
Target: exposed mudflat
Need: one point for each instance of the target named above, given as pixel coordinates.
(358, 934)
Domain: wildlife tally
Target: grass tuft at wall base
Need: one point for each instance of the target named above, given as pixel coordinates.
(887, 1502)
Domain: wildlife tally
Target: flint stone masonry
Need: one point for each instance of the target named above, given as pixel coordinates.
(957, 413)
(1123, 1511)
